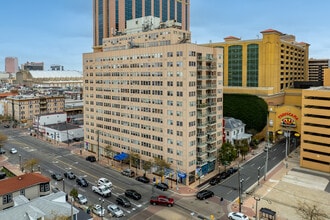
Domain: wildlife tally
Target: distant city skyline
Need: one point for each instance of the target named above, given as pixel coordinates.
(59, 32)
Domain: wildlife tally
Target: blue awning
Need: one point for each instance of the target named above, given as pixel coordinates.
(182, 175)
(121, 156)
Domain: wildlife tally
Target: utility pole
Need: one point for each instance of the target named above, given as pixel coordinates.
(240, 194)
(239, 189)
(257, 199)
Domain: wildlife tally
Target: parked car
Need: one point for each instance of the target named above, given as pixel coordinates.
(7, 126)
(76, 139)
(81, 199)
(131, 193)
(215, 180)
(161, 186)
(13, 150)
(98, 210)
(91, 158)
(128, 172)
(57, 176)
(70, 175)
(81, 181)
(143, 179)
(237, 216)
(232, 170)
(123, 201)
(204, 194)
(2, 151)
(104, 181)
(224, 175)
(115, 211)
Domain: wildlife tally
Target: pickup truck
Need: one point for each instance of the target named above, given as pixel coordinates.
(162, 200)
(103, 190)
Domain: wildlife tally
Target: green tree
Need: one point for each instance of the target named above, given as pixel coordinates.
(243, 148)
(135, 158)
(226, 154)
(74, 193)
(146, 165)
(254, 114)
(162, 164)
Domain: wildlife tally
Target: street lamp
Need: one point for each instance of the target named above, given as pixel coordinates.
(257, 199)
(287, 139)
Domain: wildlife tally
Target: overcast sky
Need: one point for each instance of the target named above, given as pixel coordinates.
(59, 31)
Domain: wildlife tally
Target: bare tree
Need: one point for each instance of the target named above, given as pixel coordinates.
(3, 140)
(30, 164)
(162, 164)
(310, 212)
(109, 152)
(146, 166)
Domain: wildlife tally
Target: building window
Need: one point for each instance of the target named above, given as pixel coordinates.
(252, 65)
(235, 65)
(7, 199)
(44, 187)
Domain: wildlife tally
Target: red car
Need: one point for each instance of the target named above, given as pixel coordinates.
(162, 200)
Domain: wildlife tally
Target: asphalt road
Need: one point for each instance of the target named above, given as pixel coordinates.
(248, 172)
(57, 160)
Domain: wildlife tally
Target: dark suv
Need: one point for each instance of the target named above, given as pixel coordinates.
(123, 201)
(69, 175)
(81, 181)
(204, 194)
(161, 186)
(131, 193)
(91, 158)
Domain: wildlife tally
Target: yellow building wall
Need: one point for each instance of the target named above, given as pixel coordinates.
(315, 140)
(326, 77)
(293, 97)
(281, 62)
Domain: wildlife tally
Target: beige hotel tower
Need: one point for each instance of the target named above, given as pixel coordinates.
(149, 91)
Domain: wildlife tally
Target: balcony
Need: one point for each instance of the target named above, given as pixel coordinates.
(201, 145)
(201, 163)
(202, 124)
(211, 140)
(211, 149)
(202, 154)
(203, 77)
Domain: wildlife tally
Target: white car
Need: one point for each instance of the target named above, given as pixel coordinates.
(98, 210)
(81, 199)
(104, 182)
(13, 151)
(237, 216)
(115, 211)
